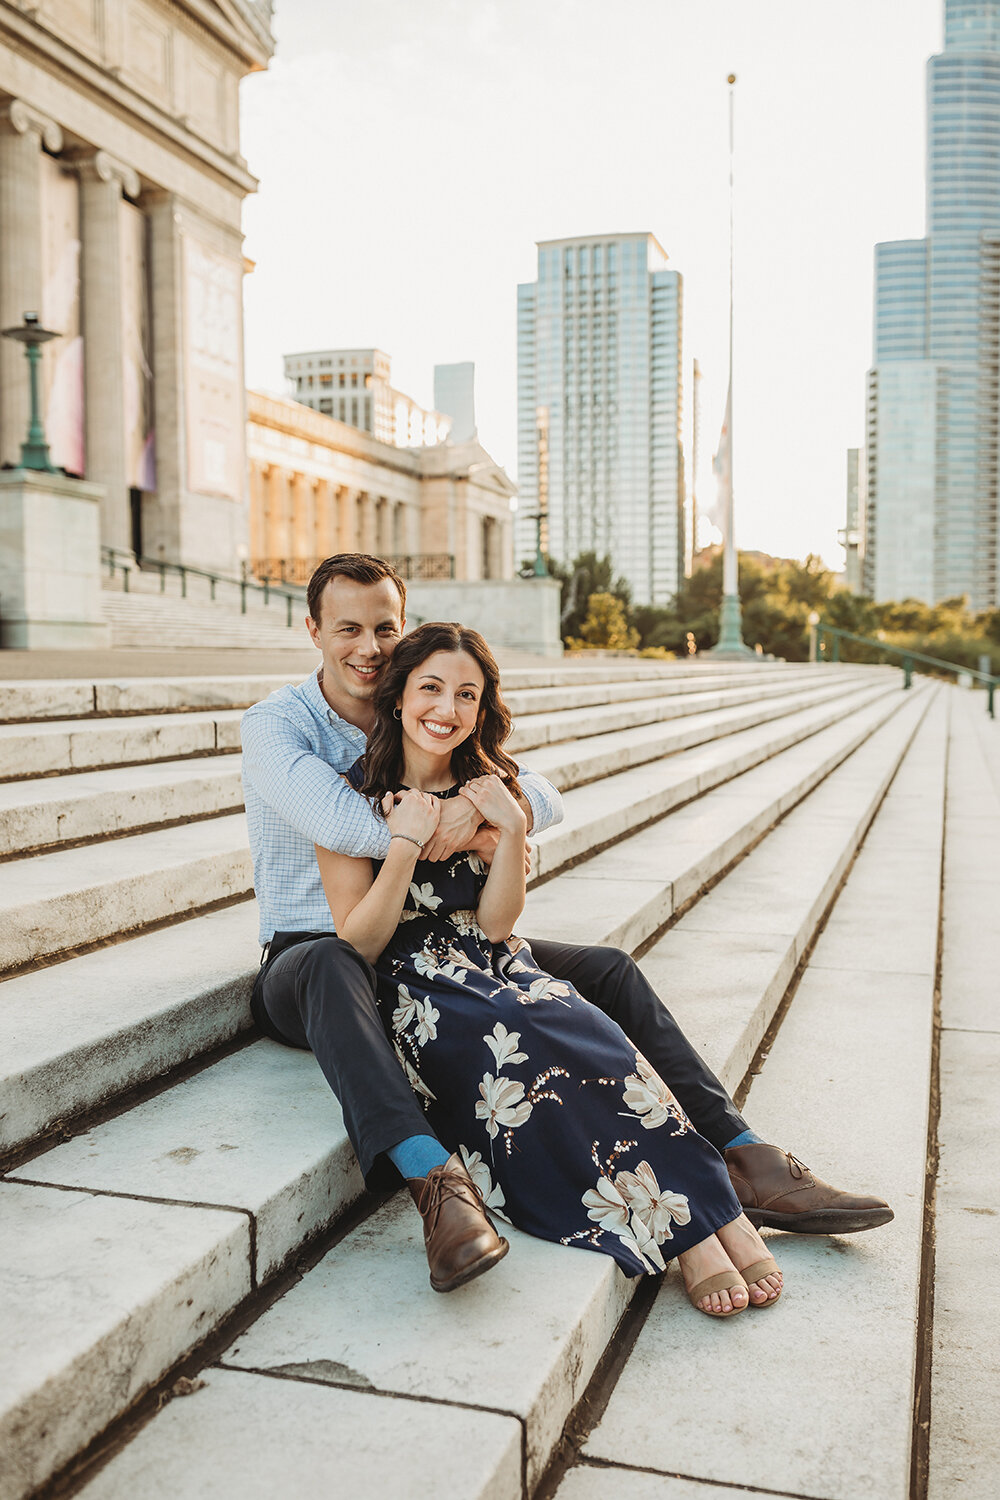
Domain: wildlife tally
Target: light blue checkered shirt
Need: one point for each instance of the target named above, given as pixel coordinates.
(294, 749)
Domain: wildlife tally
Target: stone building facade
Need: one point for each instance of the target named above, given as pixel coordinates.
(319, 486)
(121, 185)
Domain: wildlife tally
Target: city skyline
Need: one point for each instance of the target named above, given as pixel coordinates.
(406, 215)
(930, 524)
(599, 338)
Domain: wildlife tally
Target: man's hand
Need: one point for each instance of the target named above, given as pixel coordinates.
(485, 845)
(456, 830)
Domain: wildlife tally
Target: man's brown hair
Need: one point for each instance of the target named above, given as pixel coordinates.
(361, 567)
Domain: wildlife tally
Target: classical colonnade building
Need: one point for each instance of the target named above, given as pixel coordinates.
(319, 486)
(121, 184)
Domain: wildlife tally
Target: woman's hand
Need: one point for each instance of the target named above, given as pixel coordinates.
(414, 814)
(489, 795)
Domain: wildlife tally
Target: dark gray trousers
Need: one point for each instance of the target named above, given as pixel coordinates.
(316, 991)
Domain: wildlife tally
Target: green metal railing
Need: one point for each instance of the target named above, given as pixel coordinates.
(115, 563)
(910, 661)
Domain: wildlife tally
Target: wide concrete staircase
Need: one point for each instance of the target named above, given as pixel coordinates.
(181, 1213)
(186, 614)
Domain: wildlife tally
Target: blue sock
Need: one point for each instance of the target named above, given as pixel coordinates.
(746, 1139)
(415, 1156)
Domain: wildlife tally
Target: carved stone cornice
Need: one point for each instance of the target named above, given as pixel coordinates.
(101, 166)
(20, 118)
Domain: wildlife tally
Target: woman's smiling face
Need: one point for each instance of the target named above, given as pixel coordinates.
(440, 702)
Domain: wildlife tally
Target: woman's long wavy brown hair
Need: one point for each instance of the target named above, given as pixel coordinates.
(482, 754)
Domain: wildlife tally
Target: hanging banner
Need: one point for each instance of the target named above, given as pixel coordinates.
(213, 375)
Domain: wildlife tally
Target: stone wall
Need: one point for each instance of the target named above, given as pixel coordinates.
(519, 614)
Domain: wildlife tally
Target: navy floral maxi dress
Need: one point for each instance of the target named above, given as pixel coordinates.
(562, 1124)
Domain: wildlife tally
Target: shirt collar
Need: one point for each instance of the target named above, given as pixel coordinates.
(313, 694)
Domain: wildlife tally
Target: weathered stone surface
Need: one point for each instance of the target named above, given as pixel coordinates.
(260, 1131)
(80, 1032)
(100, 1296)
(846, 1088)
(73, 896)
(85, 744)
(965, 1379)
(593, 1482)
(524, 1338)
(60, 809)
(252, 1437)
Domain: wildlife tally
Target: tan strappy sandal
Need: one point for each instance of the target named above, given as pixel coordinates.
(766, 1267)
(723, 1281)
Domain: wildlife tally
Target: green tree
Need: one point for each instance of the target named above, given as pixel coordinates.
(606, 625)
(588, 574)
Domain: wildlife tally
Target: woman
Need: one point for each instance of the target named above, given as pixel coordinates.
(562, 1125)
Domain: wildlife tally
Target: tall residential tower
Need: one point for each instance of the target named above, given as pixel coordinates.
(930, 525)
(599, 409)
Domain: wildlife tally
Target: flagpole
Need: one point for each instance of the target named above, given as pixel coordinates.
(730, 642)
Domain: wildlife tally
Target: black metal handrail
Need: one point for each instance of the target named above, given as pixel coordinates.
(116, 563)
(909, 662)
(411, 566)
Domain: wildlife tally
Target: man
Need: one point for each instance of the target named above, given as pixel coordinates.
(316, 991)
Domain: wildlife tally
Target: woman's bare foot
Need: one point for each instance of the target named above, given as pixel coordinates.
(744, 1246)
(709, 1258)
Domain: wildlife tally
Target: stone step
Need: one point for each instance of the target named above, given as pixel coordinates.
(89, 1320)
(23, 700)
(41, 749)
(65, 899)
(73, 897)
(58, 810)
(602, 812)
(833, 1393)
(532, 730)
(575, 695)
(145, 620)
(80, 1033)
(964, 1457)
(363, 1317)
(45, 812)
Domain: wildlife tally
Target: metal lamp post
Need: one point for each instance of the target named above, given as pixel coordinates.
(34, 450)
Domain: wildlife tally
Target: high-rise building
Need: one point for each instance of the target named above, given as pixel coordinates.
(455, 396)
(354, 386)
(600, 460)
(930, 520)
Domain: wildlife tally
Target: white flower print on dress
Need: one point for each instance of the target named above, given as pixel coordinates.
(542, 988)
(466, 925)
(648, 1096)
(423, 895)
(606, 1206)
(654, 1206)
(405, 1010)
(455, 967)
(480, 1173)
(427, 1019)
(503, 1044)
(416, 1083)
(502, 1104)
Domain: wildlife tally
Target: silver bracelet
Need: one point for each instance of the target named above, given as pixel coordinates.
(408, 837)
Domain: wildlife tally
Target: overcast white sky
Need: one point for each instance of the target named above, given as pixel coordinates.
(411, 152)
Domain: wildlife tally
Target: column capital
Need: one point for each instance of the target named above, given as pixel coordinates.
(19, 119)
(100, 166)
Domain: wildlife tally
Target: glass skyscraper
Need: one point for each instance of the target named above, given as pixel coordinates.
(930, 526)
(599, 409)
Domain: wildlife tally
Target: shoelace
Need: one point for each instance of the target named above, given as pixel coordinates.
(440, 1185)
(796, 1167)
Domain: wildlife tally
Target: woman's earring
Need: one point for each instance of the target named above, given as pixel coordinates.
(397, 713)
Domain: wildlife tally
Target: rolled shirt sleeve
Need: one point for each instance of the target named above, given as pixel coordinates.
(543, 799)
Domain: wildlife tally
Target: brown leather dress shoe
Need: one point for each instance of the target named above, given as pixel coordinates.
(459, 1237)
(777, 1191)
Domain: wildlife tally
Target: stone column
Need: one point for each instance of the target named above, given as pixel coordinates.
(102, 182)
(23, 132)
(369, 542)
(346, 515)
(327, 519)
(412, 530)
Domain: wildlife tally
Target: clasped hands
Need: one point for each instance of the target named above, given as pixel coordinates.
(474, 820)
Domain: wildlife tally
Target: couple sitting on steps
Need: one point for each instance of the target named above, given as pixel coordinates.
(541, 1082)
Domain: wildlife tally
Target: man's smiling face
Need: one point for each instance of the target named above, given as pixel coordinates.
(357, 632)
